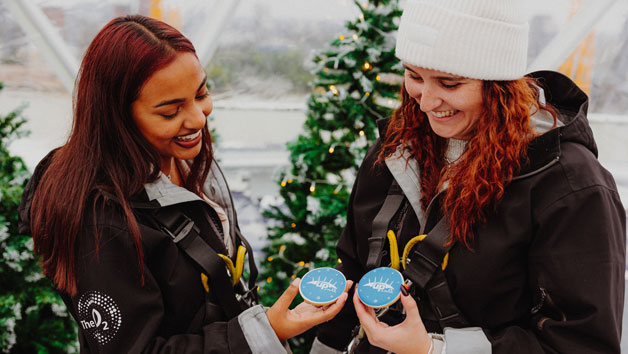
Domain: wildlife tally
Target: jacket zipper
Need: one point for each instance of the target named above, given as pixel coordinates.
(538, 170)
(428, 210)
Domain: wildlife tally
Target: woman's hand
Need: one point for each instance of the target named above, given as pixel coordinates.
(289, 323)
(409, 336)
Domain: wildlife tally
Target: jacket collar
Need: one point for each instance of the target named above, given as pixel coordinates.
(162, 193)
(405, 170)
(571, 104)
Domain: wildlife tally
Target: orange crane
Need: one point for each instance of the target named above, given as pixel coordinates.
(579, 64)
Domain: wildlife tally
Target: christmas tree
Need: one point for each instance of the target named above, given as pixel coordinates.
(33, 318)
(357, 82)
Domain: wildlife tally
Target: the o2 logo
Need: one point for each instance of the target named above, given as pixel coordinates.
(99, 316)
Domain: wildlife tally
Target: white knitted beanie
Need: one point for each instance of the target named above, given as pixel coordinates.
(479, 39)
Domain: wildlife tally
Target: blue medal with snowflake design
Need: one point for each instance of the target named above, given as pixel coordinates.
(380, 287)
(322, 286)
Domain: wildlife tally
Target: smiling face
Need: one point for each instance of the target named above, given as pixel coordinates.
(453, 104)
(172, 109)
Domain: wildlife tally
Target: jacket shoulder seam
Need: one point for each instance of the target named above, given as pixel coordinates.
(574, 191)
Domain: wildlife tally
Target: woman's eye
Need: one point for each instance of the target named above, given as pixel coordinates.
(450, 86)
(416, 78)
(170, 116)
(200, 97)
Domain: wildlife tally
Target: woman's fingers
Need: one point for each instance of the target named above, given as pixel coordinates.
(412, 311)
(349, 285)
(365, 314)
(329, 312)
(284, 301)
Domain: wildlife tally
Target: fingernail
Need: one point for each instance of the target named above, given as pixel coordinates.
(404, 290)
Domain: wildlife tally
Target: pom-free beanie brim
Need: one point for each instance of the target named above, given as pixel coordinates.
(438, 38)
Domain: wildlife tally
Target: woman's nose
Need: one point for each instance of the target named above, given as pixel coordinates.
(198, 116)
(429, 99)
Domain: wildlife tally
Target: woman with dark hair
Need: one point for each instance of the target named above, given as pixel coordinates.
(486, 183)
(132, 217)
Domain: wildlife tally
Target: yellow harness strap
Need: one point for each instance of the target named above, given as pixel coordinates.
(204, 280)
(394, 251)
(235, 271)
(406, 251)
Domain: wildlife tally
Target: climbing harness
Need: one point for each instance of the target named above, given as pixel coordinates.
(423, 261)
(233, 295)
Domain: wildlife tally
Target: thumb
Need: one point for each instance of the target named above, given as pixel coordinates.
(288, 295)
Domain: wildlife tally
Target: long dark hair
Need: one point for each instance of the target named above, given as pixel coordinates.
(105, 150)
(494, 153)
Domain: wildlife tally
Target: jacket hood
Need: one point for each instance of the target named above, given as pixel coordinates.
(24, 209)
(571, 104)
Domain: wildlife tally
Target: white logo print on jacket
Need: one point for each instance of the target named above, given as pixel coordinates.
(99, 316)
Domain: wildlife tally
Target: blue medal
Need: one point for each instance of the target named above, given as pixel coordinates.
(380, 287)
(322, 286)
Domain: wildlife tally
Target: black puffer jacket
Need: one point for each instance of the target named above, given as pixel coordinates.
(546, 272)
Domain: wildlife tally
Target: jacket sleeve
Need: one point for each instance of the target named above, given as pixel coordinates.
(117, 314)
(577, 267)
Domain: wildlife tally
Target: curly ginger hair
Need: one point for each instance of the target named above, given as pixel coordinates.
(494, 153)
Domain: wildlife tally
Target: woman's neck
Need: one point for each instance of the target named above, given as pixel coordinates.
(171, 170)
(455, 149)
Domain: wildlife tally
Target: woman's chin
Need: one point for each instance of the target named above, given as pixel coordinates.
(187, 154)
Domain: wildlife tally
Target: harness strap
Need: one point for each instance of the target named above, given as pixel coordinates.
(391, 205)
(443, 303)
(425, 268)
(186, 235)
(424, 261)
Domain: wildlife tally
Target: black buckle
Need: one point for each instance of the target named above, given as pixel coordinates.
(248, 299)
(181, 231)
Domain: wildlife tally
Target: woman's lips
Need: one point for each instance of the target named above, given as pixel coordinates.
(190, 140)
(444, 115)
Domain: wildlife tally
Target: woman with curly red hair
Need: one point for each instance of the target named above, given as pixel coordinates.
(486, 181)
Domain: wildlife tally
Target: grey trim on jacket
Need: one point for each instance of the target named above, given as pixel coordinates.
(319, 347)
(215, 188)
(470, 340)
(259, 334)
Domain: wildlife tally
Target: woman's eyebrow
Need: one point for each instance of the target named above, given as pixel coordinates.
(172, 101)
(180, 100)
(202, 83)
(408, 68)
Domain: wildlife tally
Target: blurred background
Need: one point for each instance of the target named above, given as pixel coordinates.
(259, 59)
